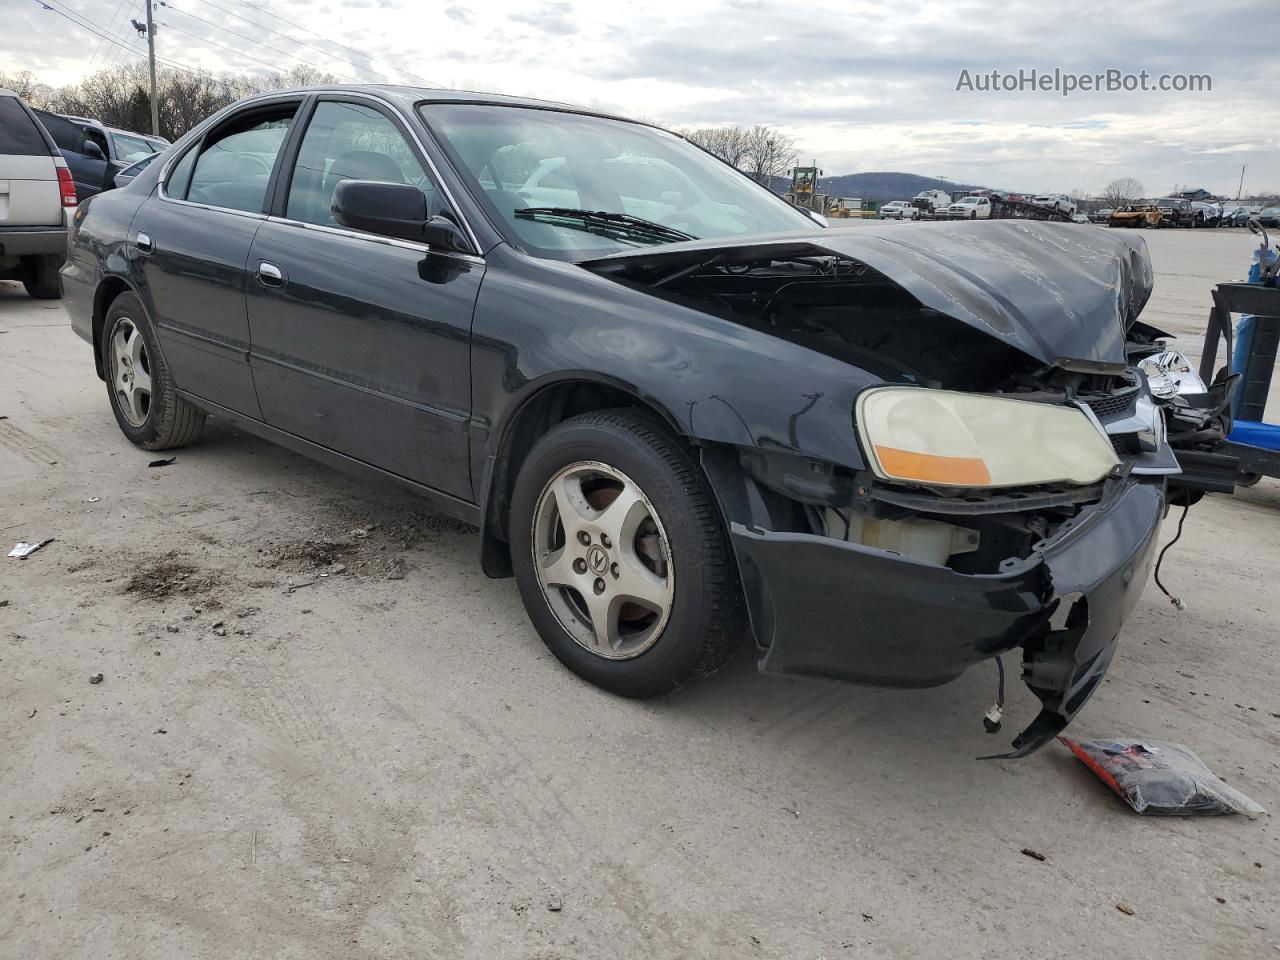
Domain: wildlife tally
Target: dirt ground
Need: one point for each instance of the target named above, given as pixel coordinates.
(322, 733)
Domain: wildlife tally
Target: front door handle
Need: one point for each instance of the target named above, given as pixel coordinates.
(143, 243)
(269, 275)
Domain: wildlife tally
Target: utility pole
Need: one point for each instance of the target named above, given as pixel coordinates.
(1240, 189)
(150, 28)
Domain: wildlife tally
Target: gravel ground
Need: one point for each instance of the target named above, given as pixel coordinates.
(322, 733)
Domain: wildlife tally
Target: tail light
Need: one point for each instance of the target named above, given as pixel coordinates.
(67, 187)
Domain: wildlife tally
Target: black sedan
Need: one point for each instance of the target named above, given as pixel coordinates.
(678, 410)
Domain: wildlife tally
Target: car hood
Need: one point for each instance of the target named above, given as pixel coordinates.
(1062, 293)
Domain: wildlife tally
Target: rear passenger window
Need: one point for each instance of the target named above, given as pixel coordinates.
(233, 169)
(19, 135)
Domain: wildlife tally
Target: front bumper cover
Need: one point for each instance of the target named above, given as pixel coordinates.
(827, 608)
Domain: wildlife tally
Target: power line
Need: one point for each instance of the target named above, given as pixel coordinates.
(97, 31)
(302, 43)
(321, 36)
(220, 46)
(111, 28)
(245, 37)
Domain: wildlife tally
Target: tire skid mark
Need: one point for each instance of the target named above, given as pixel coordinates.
(29, 448)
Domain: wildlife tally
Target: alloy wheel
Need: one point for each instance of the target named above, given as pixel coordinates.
(130, 371)
(602, 560)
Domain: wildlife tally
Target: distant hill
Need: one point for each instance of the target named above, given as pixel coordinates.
(884, 186)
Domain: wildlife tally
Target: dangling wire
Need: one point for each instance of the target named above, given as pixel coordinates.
(1186, 506)
(995, 715)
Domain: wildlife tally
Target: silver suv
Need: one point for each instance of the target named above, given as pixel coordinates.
(37, 196)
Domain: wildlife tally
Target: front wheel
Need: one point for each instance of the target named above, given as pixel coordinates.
(620, 556)
(143, 397)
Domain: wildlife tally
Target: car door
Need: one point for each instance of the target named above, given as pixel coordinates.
(86, 171)
(361, 343)
(192, 238)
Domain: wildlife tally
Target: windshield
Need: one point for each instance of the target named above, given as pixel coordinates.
(129, 149)
(519, 159)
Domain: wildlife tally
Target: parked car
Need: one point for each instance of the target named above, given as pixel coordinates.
(1205, 214)
(1176, 212)
(898, 210)
(970, 208)
(1136, 215)
(873, 450)
(1234, 216)
(1080, 218)
(1102, 215)
(1056, 201)
(1269, 217)
(95, 152)
(36, 193)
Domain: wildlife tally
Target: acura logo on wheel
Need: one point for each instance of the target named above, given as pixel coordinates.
(597, 559)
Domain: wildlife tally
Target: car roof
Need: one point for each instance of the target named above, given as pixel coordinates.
(409, 96)
(7, 93)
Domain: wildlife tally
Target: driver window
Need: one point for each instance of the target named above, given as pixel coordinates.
(234, 168)
(349, 141)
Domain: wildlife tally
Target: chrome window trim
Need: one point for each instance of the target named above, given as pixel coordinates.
(208, 206)
(375, 238)
(337, 95)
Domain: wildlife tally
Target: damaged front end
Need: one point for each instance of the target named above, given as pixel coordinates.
(1009, 493)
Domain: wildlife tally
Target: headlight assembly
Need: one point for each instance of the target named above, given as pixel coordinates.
(939, 438)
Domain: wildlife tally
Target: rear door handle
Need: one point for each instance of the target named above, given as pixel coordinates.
(269, 275)
(143, 243)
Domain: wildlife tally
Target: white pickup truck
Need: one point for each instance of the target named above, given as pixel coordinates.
(37, 195)
(970, 208)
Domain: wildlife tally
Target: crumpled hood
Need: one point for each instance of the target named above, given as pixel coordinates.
(1056, 291)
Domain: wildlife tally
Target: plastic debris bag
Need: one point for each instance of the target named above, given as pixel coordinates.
(1164, 779)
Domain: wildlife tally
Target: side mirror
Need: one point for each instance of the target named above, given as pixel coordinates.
(393, 210)
(93, 151)
(109, 175)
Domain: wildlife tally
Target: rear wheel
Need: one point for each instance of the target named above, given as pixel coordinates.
(620, 555)
(143, 398)
(41, 278)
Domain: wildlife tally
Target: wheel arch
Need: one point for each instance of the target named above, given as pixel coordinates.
(108, 291)
(544, 405)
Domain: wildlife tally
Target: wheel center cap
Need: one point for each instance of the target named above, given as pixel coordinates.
(597, 559)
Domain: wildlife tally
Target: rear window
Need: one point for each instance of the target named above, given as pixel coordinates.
(19, 134)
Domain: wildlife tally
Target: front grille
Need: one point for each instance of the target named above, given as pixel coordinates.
(1107, 406)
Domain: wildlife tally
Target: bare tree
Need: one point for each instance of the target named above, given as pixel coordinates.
(120, 97)
(730, 144)
(770, 154)
(25, 85)
(1119, 192)
(762, 152)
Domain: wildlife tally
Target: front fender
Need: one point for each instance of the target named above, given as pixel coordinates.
(720, 382)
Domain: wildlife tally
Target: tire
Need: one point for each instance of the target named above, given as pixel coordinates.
(164, 420)
(42, 280)
(699, 630)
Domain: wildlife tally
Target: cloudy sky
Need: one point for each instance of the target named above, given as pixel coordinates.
(859, 85)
